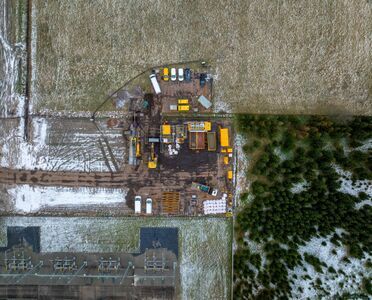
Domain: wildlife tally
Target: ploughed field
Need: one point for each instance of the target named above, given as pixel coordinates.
(287, 57)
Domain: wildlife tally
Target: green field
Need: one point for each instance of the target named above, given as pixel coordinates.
(269, 56)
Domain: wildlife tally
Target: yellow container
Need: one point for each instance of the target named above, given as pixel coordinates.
(183, 101)
(224, 137)
(183, 107)
(229, 175)
(166, 129)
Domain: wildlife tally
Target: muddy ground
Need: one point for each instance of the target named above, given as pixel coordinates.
(269, 56)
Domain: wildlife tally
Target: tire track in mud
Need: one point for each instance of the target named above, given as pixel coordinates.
(86, 179)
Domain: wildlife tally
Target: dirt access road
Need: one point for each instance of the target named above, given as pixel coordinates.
(79, 179)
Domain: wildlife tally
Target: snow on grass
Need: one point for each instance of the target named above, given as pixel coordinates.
(334, 283)
(29, 199)
(17, 153)
(299, 187)
(241, 165)
(204, 245)
(353, 188)
(366, 146)
(220, 105)
(34, 75)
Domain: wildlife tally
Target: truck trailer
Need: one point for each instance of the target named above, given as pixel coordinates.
(155, 84)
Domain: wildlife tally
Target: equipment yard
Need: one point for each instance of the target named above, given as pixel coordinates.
(163, 145)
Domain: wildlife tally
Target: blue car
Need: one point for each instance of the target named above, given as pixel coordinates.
(187, 74)
(203, 79)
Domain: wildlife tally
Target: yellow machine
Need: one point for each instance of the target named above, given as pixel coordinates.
(229, 174)
(183, 101)
(153, 160)
(138, 147)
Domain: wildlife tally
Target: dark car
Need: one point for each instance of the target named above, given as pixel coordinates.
(203, 79)
(187, 74)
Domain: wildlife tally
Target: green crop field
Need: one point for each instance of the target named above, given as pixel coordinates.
(268, 56)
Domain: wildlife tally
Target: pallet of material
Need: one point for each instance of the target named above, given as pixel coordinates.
(170, 202)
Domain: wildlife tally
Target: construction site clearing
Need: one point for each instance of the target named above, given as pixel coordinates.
(183, 159)
(178, 154)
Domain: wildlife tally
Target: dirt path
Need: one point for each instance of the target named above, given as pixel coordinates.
(83, 179)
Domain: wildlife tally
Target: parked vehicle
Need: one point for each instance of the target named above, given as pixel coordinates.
(187, 74)
(137, 204)
(173, 74)
(148, 206)
(155, 84)
(203, 79)
(165, 75)
(180, 74)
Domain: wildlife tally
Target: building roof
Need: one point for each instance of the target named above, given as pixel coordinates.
(166, 129)
(204, 102)
(224, 137)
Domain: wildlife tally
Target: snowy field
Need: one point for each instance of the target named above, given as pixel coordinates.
(61, 145)
(204, 245)
(30, 199)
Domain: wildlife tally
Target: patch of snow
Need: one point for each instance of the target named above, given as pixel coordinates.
(330, 281)
(240, 168)
(221, 105)
(282, 156)
(353, 188)
(29, 199)
(362, 203)
(299, 187)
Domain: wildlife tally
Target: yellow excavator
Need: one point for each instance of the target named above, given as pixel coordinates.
(153, 160)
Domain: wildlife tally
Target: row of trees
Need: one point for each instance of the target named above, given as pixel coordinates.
(303, 151)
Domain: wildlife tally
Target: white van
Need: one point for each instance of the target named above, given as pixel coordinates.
(148, 205)
(173, 74)
(155, 84)
(137, 204)
(180, 74)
